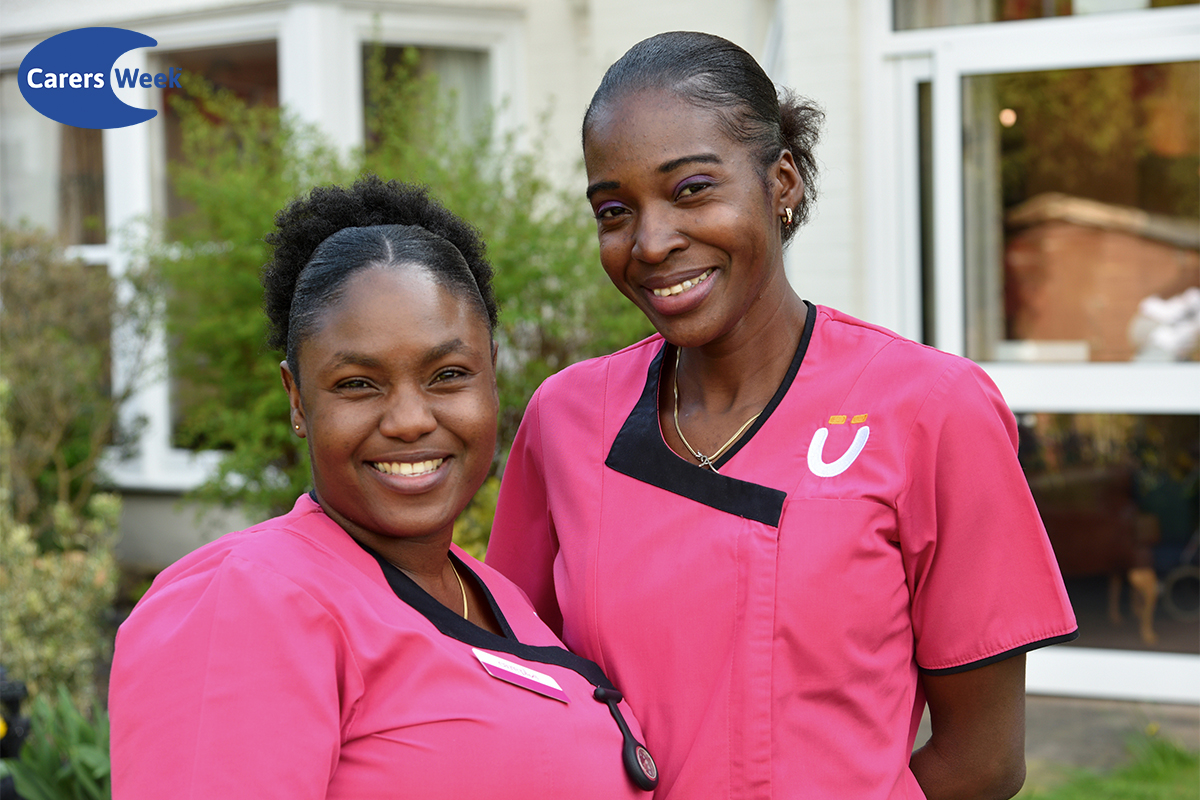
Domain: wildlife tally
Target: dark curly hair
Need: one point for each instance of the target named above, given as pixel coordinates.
(321, 240)
(714, 73)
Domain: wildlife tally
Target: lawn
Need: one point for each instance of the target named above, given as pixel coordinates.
(1159, 770)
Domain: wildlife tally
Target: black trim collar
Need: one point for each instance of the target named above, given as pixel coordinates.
(640, 452)
(456, 627)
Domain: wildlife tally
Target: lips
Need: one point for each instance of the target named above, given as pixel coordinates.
(681, 297)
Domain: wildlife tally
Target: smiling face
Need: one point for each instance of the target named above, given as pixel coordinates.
(397, 398)
(688, 220)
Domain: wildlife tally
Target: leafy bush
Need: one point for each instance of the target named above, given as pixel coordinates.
(55, 327)
(57, 416)
(474, 525)
(241, 165)
(52, 602)
(66, 754)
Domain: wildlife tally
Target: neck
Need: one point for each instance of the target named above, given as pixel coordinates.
(746, 366)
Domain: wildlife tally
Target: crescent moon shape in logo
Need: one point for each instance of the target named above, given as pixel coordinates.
(816, 453)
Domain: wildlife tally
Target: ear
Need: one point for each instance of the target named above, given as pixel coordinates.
(299, 423)
(495, 383)
(787, 182)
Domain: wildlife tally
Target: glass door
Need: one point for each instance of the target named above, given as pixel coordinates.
(1043, 171)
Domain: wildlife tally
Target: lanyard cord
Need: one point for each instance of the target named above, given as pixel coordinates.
(638, 763)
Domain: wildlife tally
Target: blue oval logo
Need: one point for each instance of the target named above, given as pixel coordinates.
(69, 78)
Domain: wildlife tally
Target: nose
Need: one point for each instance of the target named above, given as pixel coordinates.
(409, 414)
(657, 235)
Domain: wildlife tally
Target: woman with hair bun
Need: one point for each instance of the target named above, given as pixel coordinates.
(346, 649)
(782, 530)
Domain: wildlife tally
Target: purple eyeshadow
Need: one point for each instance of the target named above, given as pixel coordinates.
(683, 184)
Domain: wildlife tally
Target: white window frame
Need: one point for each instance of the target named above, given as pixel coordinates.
(894, 64)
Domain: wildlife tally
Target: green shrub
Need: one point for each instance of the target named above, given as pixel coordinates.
(62, 409)
(66, 754)
(473, 526)
(53, 601)
(58, 415)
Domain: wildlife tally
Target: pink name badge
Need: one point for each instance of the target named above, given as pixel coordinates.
(520, 675)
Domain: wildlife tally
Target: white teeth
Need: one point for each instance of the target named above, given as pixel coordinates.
(407, 467)
(682, 287)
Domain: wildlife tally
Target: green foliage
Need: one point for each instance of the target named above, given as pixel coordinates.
(57, 416)
(52, 604)
(473, 526)
(1160, 770)
(241, 165)
(1121, 134)
(55, 326)
(66, 754)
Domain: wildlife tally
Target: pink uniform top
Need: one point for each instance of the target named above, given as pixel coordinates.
(278, 663)
(768, 623)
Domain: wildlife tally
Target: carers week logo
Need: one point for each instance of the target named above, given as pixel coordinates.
(70, 78)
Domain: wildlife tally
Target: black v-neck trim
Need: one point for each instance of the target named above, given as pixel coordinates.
(456, 627)
(640, 452)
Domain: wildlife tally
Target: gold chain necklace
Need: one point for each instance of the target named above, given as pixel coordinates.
(461, 587)
(705, 461)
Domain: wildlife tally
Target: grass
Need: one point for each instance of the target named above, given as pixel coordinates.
(1160, 770)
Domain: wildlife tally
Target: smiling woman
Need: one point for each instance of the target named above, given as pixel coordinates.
(347, 649)
(785, 530)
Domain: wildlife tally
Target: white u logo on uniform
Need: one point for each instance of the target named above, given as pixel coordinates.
(816, 453)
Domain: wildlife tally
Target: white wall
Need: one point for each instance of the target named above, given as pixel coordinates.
(821, 61)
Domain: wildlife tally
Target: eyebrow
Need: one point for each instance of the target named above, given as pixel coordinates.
(663, 169)
(450, 347)
(350, 358)
(353, 358)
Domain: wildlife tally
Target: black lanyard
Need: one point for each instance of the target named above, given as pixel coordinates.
(639, 765)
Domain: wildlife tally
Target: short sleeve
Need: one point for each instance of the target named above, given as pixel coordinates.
(226, 684)
(523, 544)
(984, 581)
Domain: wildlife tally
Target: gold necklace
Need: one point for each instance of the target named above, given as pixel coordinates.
(461, 587)
(705, 461)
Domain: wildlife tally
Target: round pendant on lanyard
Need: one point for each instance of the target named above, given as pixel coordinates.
(639, 764)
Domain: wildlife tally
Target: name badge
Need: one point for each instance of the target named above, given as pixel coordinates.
(520, 675)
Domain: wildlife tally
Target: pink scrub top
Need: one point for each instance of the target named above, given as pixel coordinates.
(278, 662)
(768, 624)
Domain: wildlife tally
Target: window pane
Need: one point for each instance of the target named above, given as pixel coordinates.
(1082, 213)
(249, 71)
(463, 79)
(911, 14)
(51, 175)
(1118, 496)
